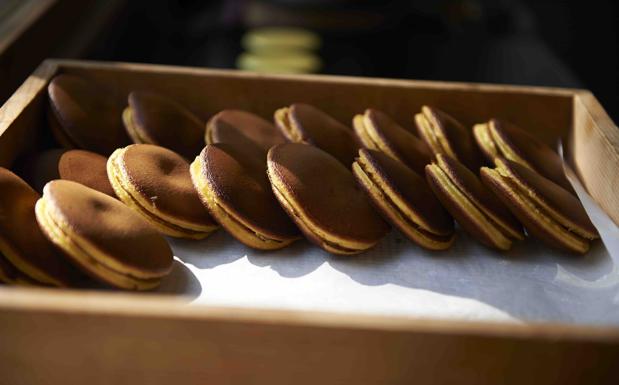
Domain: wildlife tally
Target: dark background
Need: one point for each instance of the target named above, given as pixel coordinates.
(550, 43)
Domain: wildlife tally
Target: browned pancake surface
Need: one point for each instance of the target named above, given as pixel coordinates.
(162, 176)
(472, 187)
(240, 184)
(244, 128)
(552, 194)
(87, 168)
(459, 137)
(323, 131)
(167, 123)
(110, 226)
(542, 158)
(413, 191)
(406, 146)
(87, 114)
(326, 192)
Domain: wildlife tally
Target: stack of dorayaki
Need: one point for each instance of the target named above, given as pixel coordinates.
(107, 204)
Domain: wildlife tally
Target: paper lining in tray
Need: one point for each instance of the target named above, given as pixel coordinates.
(529, 283)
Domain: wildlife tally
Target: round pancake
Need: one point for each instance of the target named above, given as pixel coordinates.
(151, 118)
(538, 223)
(547, 211)
(85, 115)
(22, 243)
(243, 129)
(500, 138)
(303, 123)
(404, 199)
(87, 168)
(378, 131)
(156, 182)
(559, 203)
(475, 208)
(238, 194)
(445, 135)
(323, 198)
(103, 236)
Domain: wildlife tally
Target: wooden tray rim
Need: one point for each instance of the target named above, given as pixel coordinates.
(159, 306)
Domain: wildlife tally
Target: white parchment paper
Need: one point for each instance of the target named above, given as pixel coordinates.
(530, 283)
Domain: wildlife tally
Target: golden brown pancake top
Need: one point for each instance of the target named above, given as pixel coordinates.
(407, 147)
(323, 131)
(19, 229)
(412, 189)
(241, 186)
(87, 168)
(110, 226)
(244, 129)
(326, 192)
(162, 176)
(542, 158)
(168, 123)
(89, 115)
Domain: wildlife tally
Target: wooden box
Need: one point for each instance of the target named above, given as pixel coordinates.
(54, 336)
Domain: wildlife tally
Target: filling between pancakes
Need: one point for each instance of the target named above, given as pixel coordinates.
(431, 133)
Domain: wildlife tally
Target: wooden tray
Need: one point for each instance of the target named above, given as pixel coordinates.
(53, 336)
